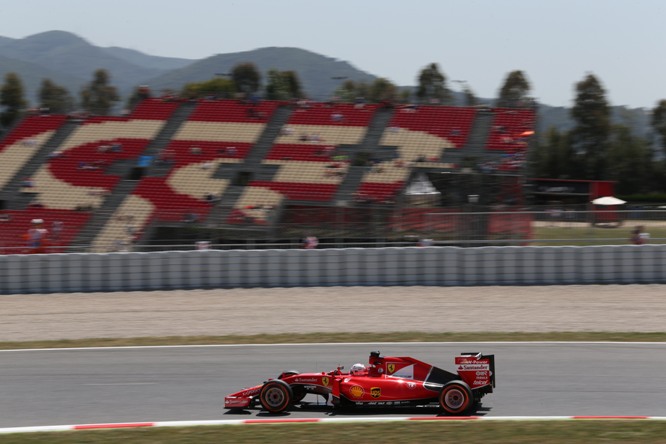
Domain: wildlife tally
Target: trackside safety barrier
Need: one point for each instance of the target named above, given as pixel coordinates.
(433, 266)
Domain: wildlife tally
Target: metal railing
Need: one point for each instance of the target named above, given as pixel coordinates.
(381, 226)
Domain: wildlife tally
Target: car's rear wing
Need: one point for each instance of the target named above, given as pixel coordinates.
(476, 369)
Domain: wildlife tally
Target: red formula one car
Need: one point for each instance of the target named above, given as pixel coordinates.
(387, 381)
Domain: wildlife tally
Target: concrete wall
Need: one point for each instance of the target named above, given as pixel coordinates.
(439, 266)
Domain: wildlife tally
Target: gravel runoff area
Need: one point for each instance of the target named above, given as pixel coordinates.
(626, 308)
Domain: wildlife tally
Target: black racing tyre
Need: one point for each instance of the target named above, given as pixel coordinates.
(456, 398)
(276, 396)
(298, 392)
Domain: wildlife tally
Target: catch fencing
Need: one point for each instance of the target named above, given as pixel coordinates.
(409, 266)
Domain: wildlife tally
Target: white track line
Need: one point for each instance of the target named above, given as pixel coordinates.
(227, 422)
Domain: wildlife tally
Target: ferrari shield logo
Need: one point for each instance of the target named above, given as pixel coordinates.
(376, 392)
(390, 367)
(325, 380)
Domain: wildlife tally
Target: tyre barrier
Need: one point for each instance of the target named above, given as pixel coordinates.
(391, 266)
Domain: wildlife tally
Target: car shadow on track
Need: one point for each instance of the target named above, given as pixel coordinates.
(328, 410)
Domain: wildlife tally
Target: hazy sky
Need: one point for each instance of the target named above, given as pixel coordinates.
(555, 42)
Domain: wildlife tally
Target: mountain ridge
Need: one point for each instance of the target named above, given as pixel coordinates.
(70, 61)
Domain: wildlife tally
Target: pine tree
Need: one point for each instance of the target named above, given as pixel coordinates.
(55, 98)
(590, 136)
(99, 97)
(432, 86)
(247, 78)
(658, 122)
(12, 99)
(515, 91)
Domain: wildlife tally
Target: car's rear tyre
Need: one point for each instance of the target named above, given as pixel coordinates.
(455, 398)
(276, 396)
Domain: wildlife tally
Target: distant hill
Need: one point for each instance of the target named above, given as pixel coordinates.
(32, 74)
(148, 61)
(319, 75)
(70, 61)
(70, 55)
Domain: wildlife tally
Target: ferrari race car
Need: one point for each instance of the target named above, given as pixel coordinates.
(386, 381)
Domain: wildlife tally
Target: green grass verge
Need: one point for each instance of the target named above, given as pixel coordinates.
(590, 235)
(577, 432)
(293, 338)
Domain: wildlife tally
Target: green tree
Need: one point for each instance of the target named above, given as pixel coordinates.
(12, 99)
(56, 98)
(658, 122)
(432, 86)
(590, 135)
(630, 162)
(383, 90)
(139, 94)
(246, 77)
(350, 91)
(469, 99)
(552, 157)
(98, 97)
(216, 87)
(283, 85)
(515, 91)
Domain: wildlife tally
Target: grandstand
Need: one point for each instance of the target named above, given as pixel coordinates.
(225, 170)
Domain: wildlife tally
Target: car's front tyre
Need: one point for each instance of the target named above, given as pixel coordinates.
(276, 396)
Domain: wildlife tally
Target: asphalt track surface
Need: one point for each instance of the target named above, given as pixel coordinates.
(49, 387)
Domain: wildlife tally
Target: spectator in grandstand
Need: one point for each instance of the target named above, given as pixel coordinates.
(191, 217)
(120, 245)
(55, 154)
(56, 229)
(4, 217)
(27, 182)
(37, 234)
(32, 142)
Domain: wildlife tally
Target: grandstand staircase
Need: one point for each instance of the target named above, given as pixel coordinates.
(370, 145)
(126, 186)
(265, 142)
(475, 147)
(12, 195)
(173, 124)
(251, 163)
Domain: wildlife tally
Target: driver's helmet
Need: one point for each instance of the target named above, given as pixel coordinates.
(357, 369)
